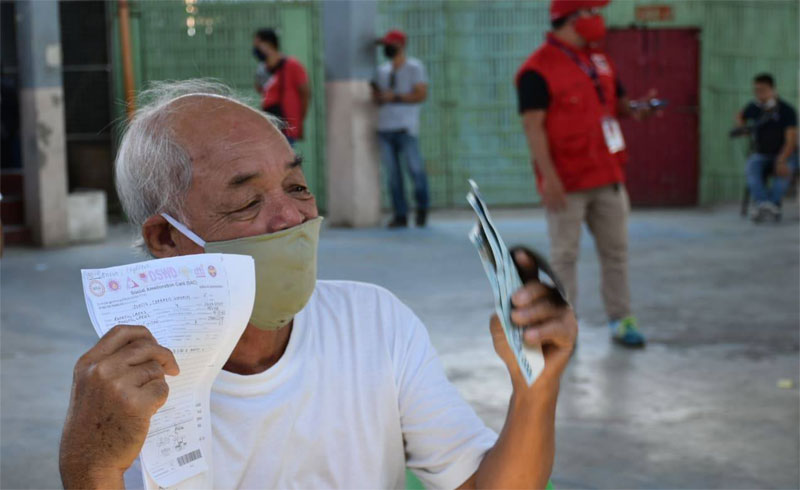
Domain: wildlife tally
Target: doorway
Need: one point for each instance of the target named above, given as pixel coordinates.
(663, 168)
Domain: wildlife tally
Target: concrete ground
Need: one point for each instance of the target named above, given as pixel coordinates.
(700, 407)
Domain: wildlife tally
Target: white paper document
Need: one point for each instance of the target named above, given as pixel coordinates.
(197, 306)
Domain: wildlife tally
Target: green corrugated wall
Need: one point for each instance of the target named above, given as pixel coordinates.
(470, 126)
(221, 48)
(472, 49)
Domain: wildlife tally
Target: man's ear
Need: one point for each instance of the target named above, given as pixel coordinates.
(157, 235)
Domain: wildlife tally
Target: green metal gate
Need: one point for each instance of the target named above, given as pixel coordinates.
(179, 39)
(470, 126)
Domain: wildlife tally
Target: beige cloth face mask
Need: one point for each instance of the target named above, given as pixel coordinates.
(286, 268)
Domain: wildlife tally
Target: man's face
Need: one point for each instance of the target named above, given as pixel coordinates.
(763, 92)
(392, 50)
(246, 178)
(261, 45)
(588, 24)
(591, 12)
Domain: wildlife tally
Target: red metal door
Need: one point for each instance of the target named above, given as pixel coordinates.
(663, 165)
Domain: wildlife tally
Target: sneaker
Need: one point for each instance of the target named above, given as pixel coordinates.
(398, 222)
(626, 333)
(422, 217)
(759, 212)
(772, 211)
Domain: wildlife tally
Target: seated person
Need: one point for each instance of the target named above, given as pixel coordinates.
(349, 392)
(774, 126)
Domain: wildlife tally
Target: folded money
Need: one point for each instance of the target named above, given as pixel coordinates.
(504, 279)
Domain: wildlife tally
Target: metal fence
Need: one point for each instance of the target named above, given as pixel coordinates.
(188, 39)
(472, 49)
(739, 38)
(470, 126)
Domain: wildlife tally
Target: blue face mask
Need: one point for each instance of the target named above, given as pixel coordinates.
(258, 54)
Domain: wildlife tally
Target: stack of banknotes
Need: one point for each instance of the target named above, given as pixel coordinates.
(505, 279)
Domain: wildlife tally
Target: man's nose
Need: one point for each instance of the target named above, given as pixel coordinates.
(283, 213)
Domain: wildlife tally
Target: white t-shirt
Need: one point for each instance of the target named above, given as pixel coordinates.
(358, 396)
(396, 116)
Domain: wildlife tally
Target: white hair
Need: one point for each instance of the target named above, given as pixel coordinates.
(153, 171)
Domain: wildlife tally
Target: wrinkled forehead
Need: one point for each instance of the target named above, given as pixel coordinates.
(211, 126)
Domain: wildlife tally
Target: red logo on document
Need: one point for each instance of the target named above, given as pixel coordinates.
(132, 284)
(96, 288)
(113, 285)
(212, 271)
(143, 276)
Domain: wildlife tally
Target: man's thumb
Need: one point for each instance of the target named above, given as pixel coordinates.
(502, 348)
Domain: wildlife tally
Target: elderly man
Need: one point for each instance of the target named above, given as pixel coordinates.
(349, 392)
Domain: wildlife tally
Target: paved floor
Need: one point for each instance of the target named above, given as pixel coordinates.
(699, 408)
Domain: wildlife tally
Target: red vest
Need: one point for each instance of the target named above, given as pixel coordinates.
(574, 116)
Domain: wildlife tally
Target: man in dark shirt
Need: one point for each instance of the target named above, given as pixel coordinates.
(773, 123)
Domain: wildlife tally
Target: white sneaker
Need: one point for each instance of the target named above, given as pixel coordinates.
(759, 212)
(772, 210)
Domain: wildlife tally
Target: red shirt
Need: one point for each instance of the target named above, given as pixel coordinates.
(281, 95)
(575, 113)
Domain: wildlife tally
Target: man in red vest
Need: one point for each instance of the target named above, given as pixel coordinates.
(570, 99)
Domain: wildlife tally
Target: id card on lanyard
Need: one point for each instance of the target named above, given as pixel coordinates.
(612, 132)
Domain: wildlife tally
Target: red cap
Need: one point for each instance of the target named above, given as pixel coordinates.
(562, 8)
(395, 36)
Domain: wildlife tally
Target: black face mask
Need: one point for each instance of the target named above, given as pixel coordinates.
(390, 51)
(258, 54)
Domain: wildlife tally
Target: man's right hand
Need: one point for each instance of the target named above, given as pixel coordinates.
(117, 387)
(386, 96)
(553, 195)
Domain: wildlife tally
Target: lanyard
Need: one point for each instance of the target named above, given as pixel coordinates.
(589, 69)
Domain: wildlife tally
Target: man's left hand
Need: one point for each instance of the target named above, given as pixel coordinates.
(644, 111)
(546, 322)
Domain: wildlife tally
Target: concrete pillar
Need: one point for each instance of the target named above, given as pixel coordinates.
(354, 184)
(41, 104)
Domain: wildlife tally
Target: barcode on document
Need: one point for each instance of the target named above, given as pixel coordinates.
(189, 457)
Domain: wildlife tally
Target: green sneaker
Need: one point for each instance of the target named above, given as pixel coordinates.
(626, 333)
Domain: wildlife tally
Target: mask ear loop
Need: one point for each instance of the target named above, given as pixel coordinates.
(182, 228)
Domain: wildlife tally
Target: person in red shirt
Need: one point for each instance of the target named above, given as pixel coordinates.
(569, 100)
(286, 94)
